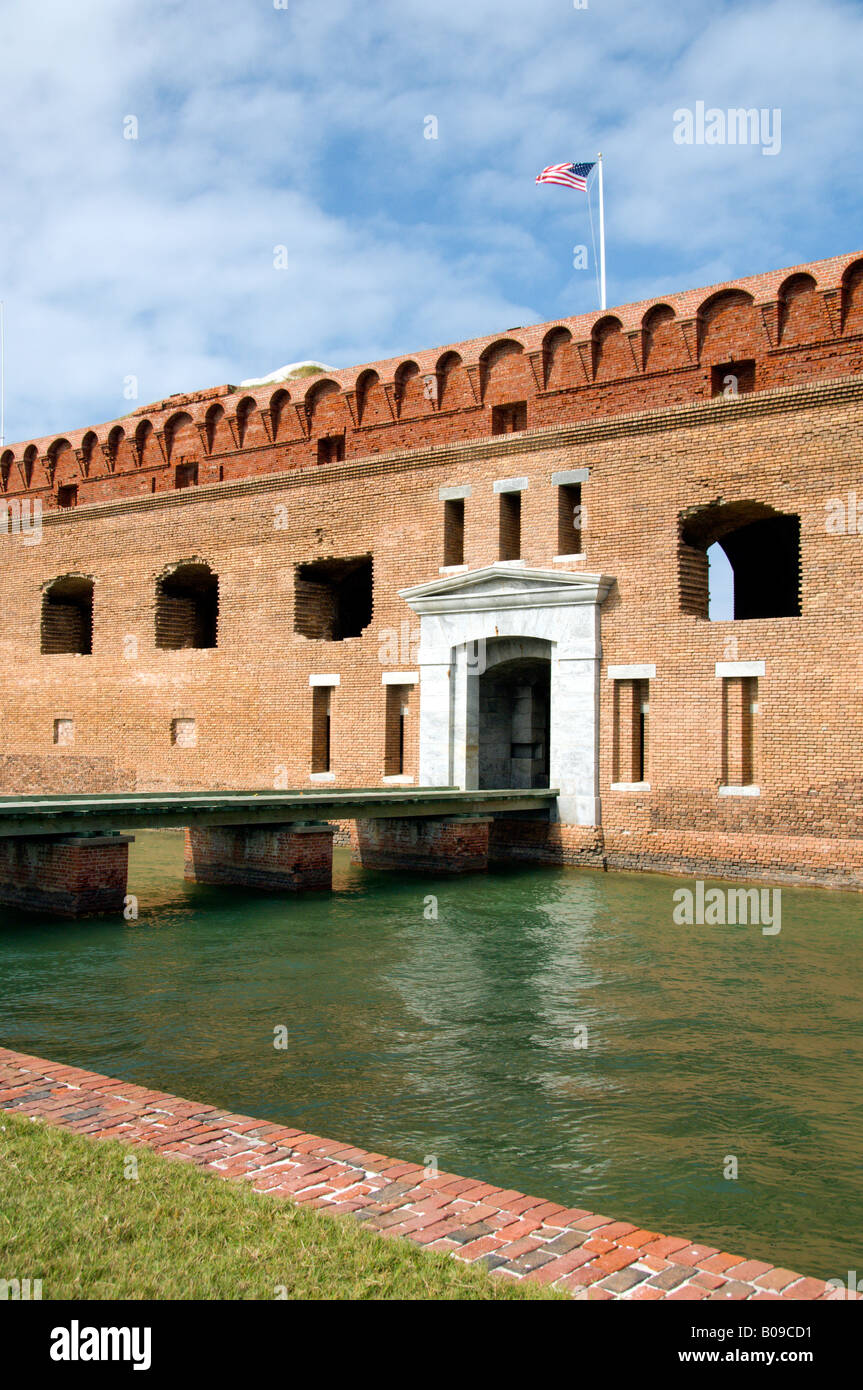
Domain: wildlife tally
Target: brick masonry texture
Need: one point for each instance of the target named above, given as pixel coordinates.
(455, 846)
(511, 1234)
(270, 856)
(629, 397)
(68, 877)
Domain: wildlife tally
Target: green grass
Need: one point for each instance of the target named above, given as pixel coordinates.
(70, 1217)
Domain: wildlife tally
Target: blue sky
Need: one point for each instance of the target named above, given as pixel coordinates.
(303, 127)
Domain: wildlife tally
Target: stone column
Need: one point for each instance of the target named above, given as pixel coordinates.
(65, 875)
(434, 754)
(574, 742)
(284, 858)
(466, 669)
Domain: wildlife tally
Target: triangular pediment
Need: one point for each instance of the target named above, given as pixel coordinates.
(505, 586)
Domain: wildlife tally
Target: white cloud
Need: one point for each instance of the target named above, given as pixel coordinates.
(261, 127)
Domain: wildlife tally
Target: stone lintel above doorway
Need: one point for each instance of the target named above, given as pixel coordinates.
(498, 586)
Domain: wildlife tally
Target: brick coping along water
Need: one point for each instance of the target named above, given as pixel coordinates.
(512, 1234)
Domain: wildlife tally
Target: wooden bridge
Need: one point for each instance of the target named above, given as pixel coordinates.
(68, 855)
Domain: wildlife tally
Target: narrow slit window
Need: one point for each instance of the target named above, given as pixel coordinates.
(739, 707)
(321, 728)
(509, 533)
(397, 698)
(453, 532)
(641, 705)
(569, 519)
(631, 731)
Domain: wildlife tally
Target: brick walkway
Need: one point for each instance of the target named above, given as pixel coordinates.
(515, 1235)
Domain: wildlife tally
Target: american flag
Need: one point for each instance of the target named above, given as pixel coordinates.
(570, 175)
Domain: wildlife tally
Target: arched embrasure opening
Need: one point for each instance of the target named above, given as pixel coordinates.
(333, 599)
(187, 607)
(67, 616)
(762, 547)
(514, 710)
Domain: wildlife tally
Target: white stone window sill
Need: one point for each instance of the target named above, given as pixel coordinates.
(630, 786)
(510, 564)
(322, 777)
(740, 791)
(397, 779)
(453, 569)
(568, 559)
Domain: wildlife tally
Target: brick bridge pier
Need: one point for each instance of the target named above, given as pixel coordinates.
(68, 855)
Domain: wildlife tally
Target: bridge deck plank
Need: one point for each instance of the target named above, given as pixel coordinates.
(23, 816)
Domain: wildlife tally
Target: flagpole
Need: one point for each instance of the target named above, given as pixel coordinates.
(601, 237)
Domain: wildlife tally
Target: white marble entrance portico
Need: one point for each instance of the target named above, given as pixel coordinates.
(471, 621)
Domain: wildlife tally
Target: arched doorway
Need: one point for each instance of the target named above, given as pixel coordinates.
(471, 625)
(514, 723)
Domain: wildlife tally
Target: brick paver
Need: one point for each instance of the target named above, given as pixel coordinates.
(510, 1233)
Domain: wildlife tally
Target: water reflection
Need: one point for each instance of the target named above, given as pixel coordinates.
(455, 1036)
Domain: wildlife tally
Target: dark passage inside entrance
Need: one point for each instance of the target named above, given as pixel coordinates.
(514, 704)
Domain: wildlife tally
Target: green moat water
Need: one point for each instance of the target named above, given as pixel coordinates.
(455, 1037)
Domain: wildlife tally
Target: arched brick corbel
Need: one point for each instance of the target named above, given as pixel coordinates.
(159, 436)
(201, 427)
(636, 347)
(234, 427)
(474, 376)
(110, 460)
(434, 399)
(82, 462)
(584, 357)
(304, 418)
(691, 338)
(392, 399)
(350, 400)
(49, 465)
(535, 359)
(431, 394)
(768, 322)
(833, 305)
(267, 422)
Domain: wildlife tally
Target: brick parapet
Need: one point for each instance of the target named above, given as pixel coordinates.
(845, 388)
(643, 364)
